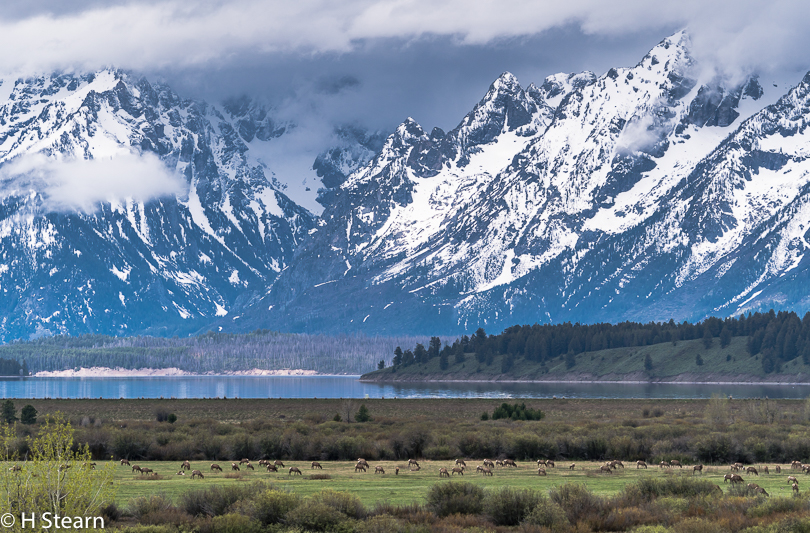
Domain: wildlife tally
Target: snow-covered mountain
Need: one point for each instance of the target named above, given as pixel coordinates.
(652, 192)
(165, 259)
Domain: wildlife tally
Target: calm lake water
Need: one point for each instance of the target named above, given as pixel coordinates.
(351, 387)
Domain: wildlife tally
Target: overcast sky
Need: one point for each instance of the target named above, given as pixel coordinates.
(373, 62)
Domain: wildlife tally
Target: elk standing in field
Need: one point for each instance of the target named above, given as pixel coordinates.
(413, 462)
(573, 466)
(765, 469)
(792, 479)
(234, 467)
(124, 462)
(460, 462)
(294, 470)
(795, 465)
(443, 472)
(458, 470)
(360, 467)
(15, 468)
(697, 468)
(486, 471)
(146, 471)
(606, 469)
(278, 463)
(489, 463)
(675, 462)
(272, 468)
(550, 464)
(663, 464)
(641, 464)
(736, 478)
(197, 473)
(541, 462)
(185, 466)
(250, 466)
(796, 488)
(509, 462)
(379, 470)
(541, 471)
(215, 466)
(244, 461)
(778, 469)
(136, 468)
(396, 471)
(752, 470)
(316, 464)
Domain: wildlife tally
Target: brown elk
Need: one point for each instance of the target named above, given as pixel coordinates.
(294, 470)
(215, 466)
(263, 462)
(489, 463)
(412, 462)
(752, 470)
(146, 471)
(278, 463)
(234, 467)
(460, 462)
(795, 465)
(736, 478)
(573, 466)
(509, 462)
(125, 462)
(675, 462)
(663, 464)
(550, 464)
(272, 468)
(778, 469)
(360, 467)
(197, 473)
(641, 464)
(185, 466)
(244, 461)
(697, 468)
(136, 468)
(316, 464)
(379, 470)
(250, 466)
(796, 488)
(541, 471)
(458, 470)
(15, 468)
(443, 472)
(499, 462)
(486, 471)
(606, 469)
(396, 471)
(792, 479)
(541, 462)
(765, 469)
(180, 473)
(618, 463)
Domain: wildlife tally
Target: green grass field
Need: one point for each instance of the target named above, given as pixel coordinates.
(412, 486)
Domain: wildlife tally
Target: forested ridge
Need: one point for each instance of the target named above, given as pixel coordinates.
(773, 338)
(208, 353)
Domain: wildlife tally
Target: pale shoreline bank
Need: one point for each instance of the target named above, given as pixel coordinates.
(104, 372)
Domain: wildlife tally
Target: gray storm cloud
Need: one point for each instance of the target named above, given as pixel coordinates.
(83, 184)
(147, 34)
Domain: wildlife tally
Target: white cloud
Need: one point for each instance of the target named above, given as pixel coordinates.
(81, 185)
(149, 34)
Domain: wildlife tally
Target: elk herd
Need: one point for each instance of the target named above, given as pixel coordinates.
(487, 468)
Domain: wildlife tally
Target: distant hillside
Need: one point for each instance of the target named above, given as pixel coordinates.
(670, 363)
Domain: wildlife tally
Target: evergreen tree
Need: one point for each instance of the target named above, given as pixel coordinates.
(570, 360)
(25, 370)
(434, 347)
(507, 363)
(9, 413)
(725, 337)
(698, 360)
(362, 414)
(648, 364)
(420, 354)
(397, 356)
(381, 364)
(459, 350)
(407, 358)
(28, 415)
(444, 360)
(708, 340)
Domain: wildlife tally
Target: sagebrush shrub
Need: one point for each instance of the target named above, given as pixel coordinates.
(455, 497)
(509, 507)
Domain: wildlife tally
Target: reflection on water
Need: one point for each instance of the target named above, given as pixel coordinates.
(351, 387)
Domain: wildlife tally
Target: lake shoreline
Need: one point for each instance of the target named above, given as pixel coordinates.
(685, 379)
(106, 372)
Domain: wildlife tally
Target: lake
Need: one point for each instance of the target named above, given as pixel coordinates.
(351, 387)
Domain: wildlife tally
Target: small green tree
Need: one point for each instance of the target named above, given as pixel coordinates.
(362, 414)
(9, 412)
(708, 339)
(444, 362)
(698, 360)
(28, 415)
(172, 418)
(648, 364)
(381, 364)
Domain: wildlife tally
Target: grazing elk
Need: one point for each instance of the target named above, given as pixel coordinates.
(663, 464)
(760, 490)
(379, 470)
(250, 466)
(136, 468)
(486, 471)
(294, 470)
(234, 467)
(752, 470)
(697, 468)
(15, 468)
(396, 471)
(272, 468)
(541, 471)
(360, 467)
(460, 462)
(244, 461)
(363, 462)
(541, 462)
(792, 479)
(443, 472)
(641, 464)
(778, 469)
(125, 462)
(795, 465)
(279, 463)
(573, 466)
(185, 466)
(413, 462)
(215, 466)
(197, 473)
(316, 464)
(458, 470)
(606, 469)
(509, 462)
(499, 462)
(675, 462)
(765, 469)
(796, 488)
(489, 463)
(727, 477)
(550, 464)
(146, 471)
(736, 478)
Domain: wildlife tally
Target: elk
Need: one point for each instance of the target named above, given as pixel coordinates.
(294, 470)
(460, 462)
(541, 462)
(618, 463)
(796, 488)
(136, 468)
(606, 469)
(250, 466)
(573, 466)
(443, 472)
(752, 470)
(760, 490)
(185, 466)
(197, 473)
(765, 469)
(550, 464)
(215, 467)
(15, 468)
(728, 477)
(509, 462)
(736, 478)
(146, 471)
(278, 463)
(697, 468)
(675, 462)
(663, 464)
(498, 462)
(412, 462)
(541, 471)
(458, 470)
(379, 470)
(234, 467)
(272, 468)
(396, 471)
(489, 463)
(316, 464)
(360, 467)
(795, 465)
(244, 461)
(792, 479)
(486, 471)
(125, 462)
(180, 473)
(363, 462)
(641, 464)
(778, 469)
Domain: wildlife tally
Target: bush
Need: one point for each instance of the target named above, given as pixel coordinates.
(346, 503)
(578, 502)
(144, 505)
(28, 415)
(232, 523)
(362, 414)
(648, 488)
(270, 507)
(548, 514)
(454, 497)
(509, 507)
(315, 516)
(215, 500)
(517, 412)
